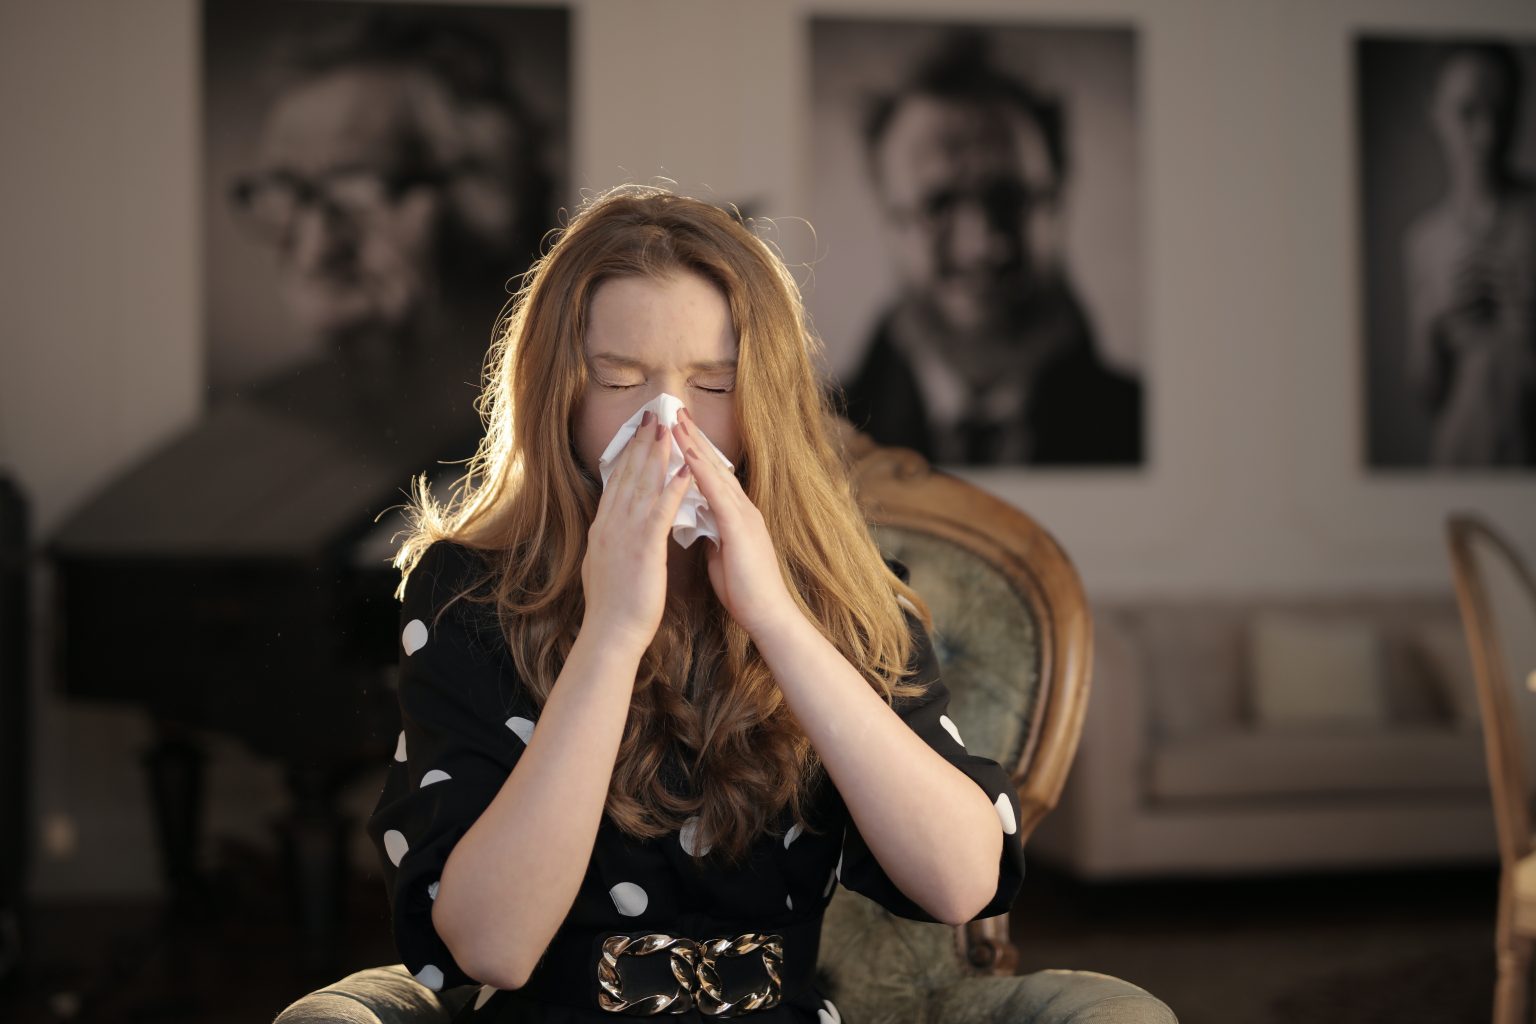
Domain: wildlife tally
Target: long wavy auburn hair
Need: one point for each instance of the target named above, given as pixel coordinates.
(704, 701)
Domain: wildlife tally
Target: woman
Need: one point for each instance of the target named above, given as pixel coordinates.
(1471, 271)
(609, 736)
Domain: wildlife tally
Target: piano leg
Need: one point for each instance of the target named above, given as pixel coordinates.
(174, 766)
(314, 841)
(313, 838)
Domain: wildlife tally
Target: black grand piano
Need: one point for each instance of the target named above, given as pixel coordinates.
(238, 580)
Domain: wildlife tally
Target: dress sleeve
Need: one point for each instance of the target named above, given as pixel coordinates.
(926, 714)
(465, 720)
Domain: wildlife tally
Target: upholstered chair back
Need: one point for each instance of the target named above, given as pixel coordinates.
(1013, 636)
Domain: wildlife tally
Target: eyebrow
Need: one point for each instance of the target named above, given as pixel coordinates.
(626, 361)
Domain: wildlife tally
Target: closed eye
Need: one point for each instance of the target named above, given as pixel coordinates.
(625, 387)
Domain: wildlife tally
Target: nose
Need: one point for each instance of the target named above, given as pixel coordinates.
(656, 387)
(975, 242)
(317, 237)
(671, 383)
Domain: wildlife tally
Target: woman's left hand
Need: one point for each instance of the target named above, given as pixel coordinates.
(743, 567)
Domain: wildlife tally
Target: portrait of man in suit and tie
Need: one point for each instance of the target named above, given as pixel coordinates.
(985, 350)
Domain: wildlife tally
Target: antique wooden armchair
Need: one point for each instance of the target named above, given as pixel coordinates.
(1013, 633)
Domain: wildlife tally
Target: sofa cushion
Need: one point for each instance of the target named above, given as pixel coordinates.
(1191, 654)
(1310, 671)
(1442, 649)
(1343, 762)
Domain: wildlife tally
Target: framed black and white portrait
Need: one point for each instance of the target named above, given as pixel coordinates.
(376, 177)
(1447, 179)
(978, 275)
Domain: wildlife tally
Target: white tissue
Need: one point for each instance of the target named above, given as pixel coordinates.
(694, 519)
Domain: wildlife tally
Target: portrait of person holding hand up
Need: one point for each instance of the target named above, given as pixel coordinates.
(660, 691)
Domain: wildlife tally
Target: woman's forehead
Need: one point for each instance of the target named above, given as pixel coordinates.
(640, 322)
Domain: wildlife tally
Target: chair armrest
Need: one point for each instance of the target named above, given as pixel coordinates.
(1050, 997)
(378, 995)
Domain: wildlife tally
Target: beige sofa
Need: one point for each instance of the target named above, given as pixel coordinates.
(1233, 736)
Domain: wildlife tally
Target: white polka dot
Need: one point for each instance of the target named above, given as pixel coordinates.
(629, 899)
(789, 902)
(395, 845)
(792, 834)
(949, 727)
(486, 992)
(688, 838)
(1005, 814)
(414, 637)
(400, 747)
(522, 726)
(828, 1015)
(431, 977)
(435, 775)
(432, 889)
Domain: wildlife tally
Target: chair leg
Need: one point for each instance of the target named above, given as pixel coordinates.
(1511, 992)
(1512, 952)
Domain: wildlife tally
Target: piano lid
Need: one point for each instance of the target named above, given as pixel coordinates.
(296, 470)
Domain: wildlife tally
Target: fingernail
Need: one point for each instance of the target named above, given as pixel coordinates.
(661, 431)
(646, 419)
(684, 412)
(684, 471)
(693, 453)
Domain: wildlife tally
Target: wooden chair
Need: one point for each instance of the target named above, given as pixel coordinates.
(1013, 634)
(1497, 596)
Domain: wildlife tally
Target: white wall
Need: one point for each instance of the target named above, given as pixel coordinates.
(1252, 328)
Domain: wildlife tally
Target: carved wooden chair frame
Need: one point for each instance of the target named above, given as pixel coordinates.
(1515, 930)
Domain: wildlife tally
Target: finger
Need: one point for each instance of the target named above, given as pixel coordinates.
(672, 495)
(718, 484)
(653, 477)
(622, 467)
(701, 443)
(716, 491)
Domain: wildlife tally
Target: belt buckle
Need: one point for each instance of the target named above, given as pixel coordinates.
(693, 966)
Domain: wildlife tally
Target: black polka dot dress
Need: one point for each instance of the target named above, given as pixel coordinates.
(466, 720)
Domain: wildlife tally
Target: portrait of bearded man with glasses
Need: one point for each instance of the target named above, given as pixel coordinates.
(397, 185)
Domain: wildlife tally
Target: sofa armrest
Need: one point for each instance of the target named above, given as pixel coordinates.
(1103, 793)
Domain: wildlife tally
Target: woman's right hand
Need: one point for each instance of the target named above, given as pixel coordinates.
(624, 573)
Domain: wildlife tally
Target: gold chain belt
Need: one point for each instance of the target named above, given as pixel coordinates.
(693, 965)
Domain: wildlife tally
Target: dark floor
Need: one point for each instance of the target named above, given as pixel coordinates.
(1400, 947)
(1405, 947)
